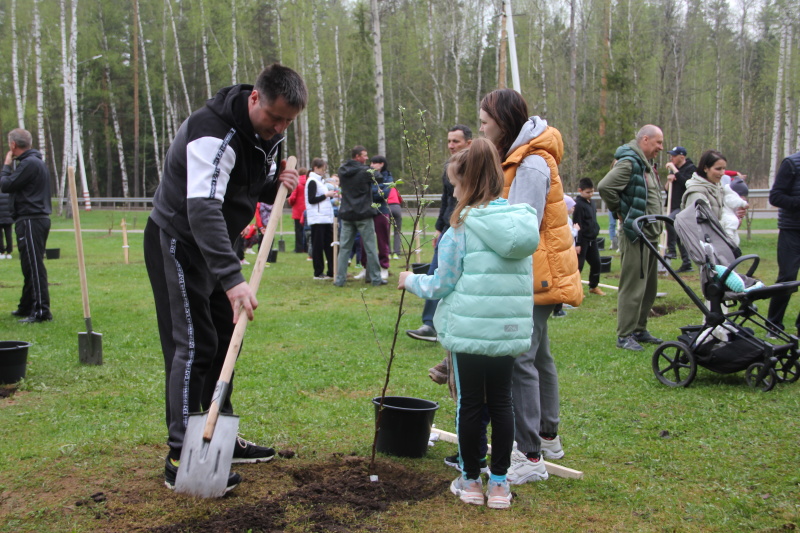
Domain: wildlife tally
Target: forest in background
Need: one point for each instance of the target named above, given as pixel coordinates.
(104, 86)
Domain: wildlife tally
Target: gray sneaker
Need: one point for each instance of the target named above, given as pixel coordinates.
(469, 490)
(424, 333)
(498, 495)
(524, 469)
(629, 343)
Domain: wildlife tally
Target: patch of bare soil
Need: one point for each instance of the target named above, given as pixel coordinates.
(332, 495)
(7, 391)
(666, 309)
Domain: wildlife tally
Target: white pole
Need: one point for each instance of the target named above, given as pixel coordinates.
(512, 48)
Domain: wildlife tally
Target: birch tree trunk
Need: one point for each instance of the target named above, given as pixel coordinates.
(788, 119)
(777, 116)
(542, 72)
(117, 133)
(37, 51)
(378, 57)
(67, 160)
(178, 57)
(19, 98)
(235, 49)
(320, 90)
(204, 51)
(76, 125)
(573, 89)
(135, 67)
(171, 118)
(156, 148)
(341, 128)
(437, 94)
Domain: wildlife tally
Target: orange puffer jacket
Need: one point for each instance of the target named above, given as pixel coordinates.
(556, 278)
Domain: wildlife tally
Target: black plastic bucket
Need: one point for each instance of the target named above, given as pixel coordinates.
(52, 253)
(420, 268)
(405, 425)
(272, 256)
(13, 360)
(605, 263)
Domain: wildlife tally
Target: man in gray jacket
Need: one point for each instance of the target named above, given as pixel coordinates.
(29, 188)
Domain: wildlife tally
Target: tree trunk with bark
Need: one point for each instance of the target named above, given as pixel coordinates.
(378, 58)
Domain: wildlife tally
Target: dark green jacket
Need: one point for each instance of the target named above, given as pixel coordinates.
(626, 192)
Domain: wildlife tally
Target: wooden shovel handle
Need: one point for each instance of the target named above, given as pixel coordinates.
(255, 281)
(76, 220)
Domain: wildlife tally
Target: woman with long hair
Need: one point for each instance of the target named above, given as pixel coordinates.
(531, 151)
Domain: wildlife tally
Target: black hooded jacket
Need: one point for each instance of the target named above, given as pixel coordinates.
(28, 186)
(356, 182)
(215, 171)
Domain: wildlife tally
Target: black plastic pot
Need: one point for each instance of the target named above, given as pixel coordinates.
(272, 256)
(605, 263)
(405, 425)
(13, 360)
(52, 253)
(420, 268)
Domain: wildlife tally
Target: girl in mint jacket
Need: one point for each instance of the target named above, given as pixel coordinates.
(485, 316)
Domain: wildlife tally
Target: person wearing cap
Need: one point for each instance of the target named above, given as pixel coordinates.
(680, 168)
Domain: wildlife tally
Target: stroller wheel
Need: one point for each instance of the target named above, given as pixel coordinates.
(674, 364)
(788, 370)
(766, 382)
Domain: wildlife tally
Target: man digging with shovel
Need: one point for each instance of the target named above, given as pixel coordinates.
(225, 158)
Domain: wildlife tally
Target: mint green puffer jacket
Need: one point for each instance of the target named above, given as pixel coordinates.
(490, 310)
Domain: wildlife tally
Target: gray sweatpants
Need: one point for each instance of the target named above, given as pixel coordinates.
(534, 386)
(638, 285)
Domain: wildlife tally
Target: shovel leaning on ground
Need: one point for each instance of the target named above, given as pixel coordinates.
(209, 440)
(90, 343)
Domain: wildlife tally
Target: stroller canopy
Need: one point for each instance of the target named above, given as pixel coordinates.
(703, 235)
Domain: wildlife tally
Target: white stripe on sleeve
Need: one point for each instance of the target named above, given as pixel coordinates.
(209, 161)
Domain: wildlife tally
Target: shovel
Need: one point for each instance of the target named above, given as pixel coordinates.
(209, 440)
(90, 343)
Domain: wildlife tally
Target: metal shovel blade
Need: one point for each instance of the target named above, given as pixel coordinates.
(90, 348)
(206, 465)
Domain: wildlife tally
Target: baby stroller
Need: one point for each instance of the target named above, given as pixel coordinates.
(725, 342)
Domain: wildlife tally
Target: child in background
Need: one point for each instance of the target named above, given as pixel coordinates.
(558, 309)
(585, 217)
(485, 316)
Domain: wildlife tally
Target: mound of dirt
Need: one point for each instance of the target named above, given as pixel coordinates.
(333, 496)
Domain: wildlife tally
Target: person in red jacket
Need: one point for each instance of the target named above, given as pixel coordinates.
(298, 202)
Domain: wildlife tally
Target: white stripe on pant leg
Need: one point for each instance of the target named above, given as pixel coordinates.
(36, 309)
(189, 331)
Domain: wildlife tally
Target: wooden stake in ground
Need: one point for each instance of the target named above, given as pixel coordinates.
(335, 245)
(125, 246)
(417, 249)
(552, 468)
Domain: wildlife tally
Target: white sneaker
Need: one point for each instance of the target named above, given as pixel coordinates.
(552, 449)
(523, 469)
(361, 274)
(469, 490)
(8, 256)
(384, 273)
(250, 251)
(2, 256)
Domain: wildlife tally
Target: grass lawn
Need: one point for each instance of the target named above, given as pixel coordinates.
(716, 456)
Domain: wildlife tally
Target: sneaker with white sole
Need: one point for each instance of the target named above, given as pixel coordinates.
(452, 460)
(424, 333)
(384, 273)
(249, 452)
(468, 490)
(524, 469)
(171, 472)
(498, 495)
(551, 448)
(361, 274)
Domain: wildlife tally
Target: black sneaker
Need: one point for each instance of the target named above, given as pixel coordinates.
(645, 337)
(424, 333)
(33, 319)
(685, 268)
(629, 343)
(452, 460)
(171, 472)
(249, 452)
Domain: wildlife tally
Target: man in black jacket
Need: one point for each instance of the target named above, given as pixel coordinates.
(680, 169)
(785, 194)
(459, 137)
(29, 188)
(224, 159)
(356, 213)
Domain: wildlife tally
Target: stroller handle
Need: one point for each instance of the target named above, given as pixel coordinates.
(649, 219)
(738, 261)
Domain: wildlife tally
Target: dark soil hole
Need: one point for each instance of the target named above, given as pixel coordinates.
(665, 309)
(7, 391)
(333, 496)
